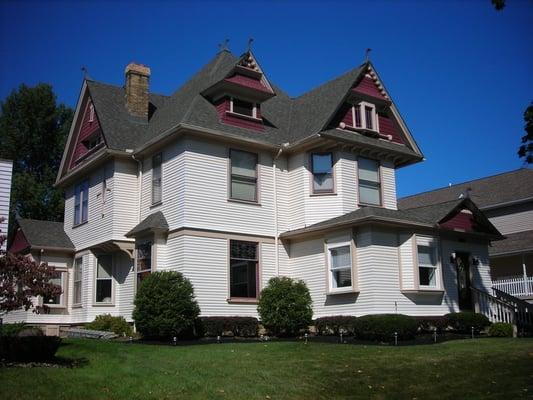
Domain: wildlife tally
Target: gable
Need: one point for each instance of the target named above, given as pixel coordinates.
(468, 218)
(19, 243)
(369, 87)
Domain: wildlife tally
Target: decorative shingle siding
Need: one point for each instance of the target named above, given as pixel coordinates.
(368, 87)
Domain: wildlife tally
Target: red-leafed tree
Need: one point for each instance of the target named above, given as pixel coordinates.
(22, 279)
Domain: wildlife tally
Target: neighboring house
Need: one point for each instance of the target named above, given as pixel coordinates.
(507, 200)
(232, 182)
(6, 172)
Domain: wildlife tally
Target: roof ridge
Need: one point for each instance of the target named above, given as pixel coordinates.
(93, 81)
(465, 182)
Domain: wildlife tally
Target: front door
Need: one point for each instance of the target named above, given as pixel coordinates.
(462, 263)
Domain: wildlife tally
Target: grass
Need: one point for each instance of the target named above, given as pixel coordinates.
(462, 369)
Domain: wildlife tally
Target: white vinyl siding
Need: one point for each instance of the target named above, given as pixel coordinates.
(6, 169)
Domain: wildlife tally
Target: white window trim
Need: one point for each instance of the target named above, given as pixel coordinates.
(62, 297)
(161, 179)
(95, 279)
(82, 198)
(362, 113)
(434, 245)
(91, 112)
(345, 289)
(254, 109)
(74, 282)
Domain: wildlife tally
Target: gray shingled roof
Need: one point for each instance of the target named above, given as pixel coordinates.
(155, 221)
(485, 192)
(45, 234)
(287, 119)
(428, 216)
(520, 242)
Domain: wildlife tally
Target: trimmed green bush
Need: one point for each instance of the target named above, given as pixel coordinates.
(165, 306)
(464, 321)
(28, 348)
(501, 329)
(12, 329)
(335, 325)
(428, 324)
(234, 326)
(109, 323)
(285, 306)
(382, 327)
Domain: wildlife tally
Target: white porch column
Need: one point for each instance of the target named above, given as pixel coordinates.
(525, 274)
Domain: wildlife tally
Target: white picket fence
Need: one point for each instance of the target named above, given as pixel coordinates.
(515, 286)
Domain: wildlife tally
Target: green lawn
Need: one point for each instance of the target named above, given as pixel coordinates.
(465, 369)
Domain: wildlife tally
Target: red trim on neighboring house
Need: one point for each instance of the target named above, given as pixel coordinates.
(86, 130)
(223, 107)
(19, 243)
(387, 127)
(248, 82)
(368, 87)
(462, 221)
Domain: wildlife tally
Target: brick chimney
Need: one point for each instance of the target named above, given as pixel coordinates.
(137, 94)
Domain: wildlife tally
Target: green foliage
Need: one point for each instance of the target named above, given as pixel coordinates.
(12, 329)
(498, 4)
(165, 306)
(235, 326)
(383, 326)
(335, 325)
(428, 324)
(525, 151)
(285, 306)
(28, 348)
(501, 329)
(108, 323)
(33, 129)
(464, 321)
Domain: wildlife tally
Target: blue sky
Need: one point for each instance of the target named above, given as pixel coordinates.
(459, 71)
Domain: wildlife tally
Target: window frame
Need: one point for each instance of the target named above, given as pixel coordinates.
(146, 242)
(254, 108)
(329, 263)
(81, 200)
(91, 112)
(422, 241)
(80, 281)
(235, 299)
(243, 178)
(110, 303)
(63, 296)
(379, 183)
(160, 167)
(362, 107)
(314, 191)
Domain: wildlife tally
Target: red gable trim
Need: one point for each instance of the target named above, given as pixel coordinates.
(20, 243)
(249, 82)
(368, 87)
(387, 127)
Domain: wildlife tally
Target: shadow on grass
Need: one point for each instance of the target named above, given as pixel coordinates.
(56, 362)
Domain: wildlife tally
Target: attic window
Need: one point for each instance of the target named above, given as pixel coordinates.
(242, 107)
(91, 113)
(93, 141)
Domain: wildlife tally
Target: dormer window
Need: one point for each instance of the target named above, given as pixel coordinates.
(364, 116)
(356, 115)
(242, 107)
(369, 118)
(92, 142)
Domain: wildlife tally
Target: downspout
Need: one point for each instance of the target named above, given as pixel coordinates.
(276, 227)
(139, 184)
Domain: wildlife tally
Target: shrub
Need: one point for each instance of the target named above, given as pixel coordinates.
(165, 306)
(464, 321)
(108, 323)
(237, 326)
(12, 329)
(28, 348)
(285, 306)
(428, 324)
(382, 327)
(501, 329)
(335, 325)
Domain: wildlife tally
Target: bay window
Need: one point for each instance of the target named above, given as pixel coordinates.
(243, 175)
(104, 279)
(58, 278)
(156, 179)
(243, 269)
(77, 284)
(340, 267)
(427, 265)
(143, 261)
(81, 202)
(322, 169)
(369, 181)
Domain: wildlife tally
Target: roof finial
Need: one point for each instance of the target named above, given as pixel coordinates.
(367, 54)
(250, 41)
(224, 46)
(85, 72)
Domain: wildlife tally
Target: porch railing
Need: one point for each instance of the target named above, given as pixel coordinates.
(494, 309)
(515, 286)
(523, 309)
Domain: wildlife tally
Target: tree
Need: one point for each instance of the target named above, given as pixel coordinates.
(33, 129)
(498, 4)
(22, 279)
(285, 306)
(526, 149)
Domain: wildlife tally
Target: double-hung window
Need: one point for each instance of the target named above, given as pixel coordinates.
(356, 110)
(243, 175)
(143, 262)
(243, 269)
(78, 274)
(427, 265)
(322, 167)
(340, 267)
(157, 179)
(104, 279)
(81, 202)
(369, 182)
(58, 278)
